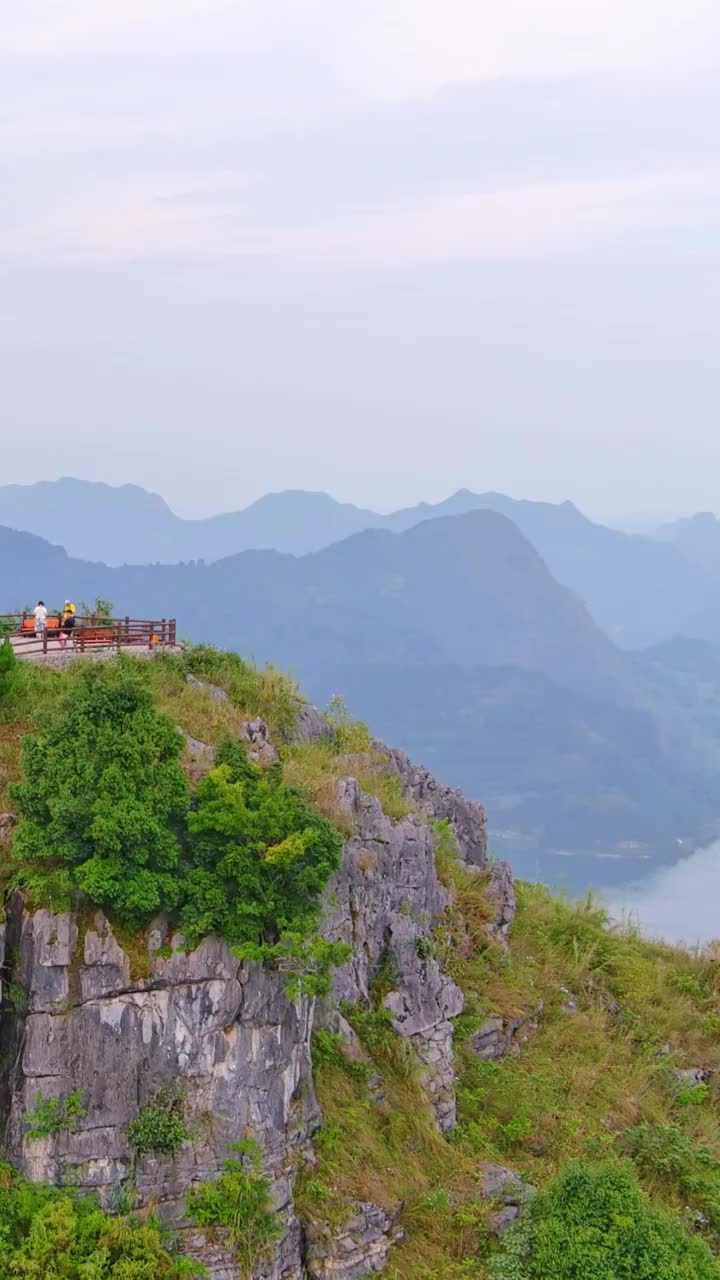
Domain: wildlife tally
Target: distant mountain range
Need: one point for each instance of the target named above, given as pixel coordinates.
(454, 640)
(640, 590)
(697, 537)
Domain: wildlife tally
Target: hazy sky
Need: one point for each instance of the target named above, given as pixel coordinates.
(386, 248)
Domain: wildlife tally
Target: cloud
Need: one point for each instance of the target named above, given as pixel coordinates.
(186, 215)
(680, 903)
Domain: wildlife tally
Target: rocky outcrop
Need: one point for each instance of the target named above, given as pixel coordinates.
(260, 748)
(499, 1036)
(466, 817)
(216, 693)
(507, 1190)
(433, 798)
(500, 893)
(384, 902)
(356, 1248)
(118, 1027)
(311, 724)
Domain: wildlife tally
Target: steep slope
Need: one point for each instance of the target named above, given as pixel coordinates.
(638, 590)
(458, 643)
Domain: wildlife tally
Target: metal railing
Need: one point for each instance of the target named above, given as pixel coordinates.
(87, 635)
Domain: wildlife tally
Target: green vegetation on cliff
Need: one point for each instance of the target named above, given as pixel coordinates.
(49, 1233)
(588, 1103)
(107, 813)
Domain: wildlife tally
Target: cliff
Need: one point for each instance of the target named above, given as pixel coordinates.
(484, 1085)
(228, 1031)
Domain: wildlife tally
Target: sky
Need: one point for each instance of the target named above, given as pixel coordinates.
(384, 248)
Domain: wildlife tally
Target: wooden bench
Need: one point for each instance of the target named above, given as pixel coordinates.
(96, 635)
(28, 624)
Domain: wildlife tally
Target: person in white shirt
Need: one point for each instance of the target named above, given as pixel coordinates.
(40, 619)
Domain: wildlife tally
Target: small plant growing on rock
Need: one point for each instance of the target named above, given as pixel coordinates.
(239, 1203)
(53, 1115)
(159, 1128)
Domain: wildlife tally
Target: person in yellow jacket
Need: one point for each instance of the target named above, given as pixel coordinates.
(67, 623)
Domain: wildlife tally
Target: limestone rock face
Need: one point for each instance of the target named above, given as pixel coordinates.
(311, 724)
(501, 893)
(120, 1026)
(384, 902)
(357, 1248)
(466, 817)
(223, 1030)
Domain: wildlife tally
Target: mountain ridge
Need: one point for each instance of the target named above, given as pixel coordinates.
(456, 641)
(626, 580)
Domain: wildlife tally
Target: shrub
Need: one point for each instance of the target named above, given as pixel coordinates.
(53, 1115)
(159, 1128)
(665, 1155)
(102, 799)
(596, 1222)
(239, 1202)
(260, 856)
(48, 1233)
(8, 669)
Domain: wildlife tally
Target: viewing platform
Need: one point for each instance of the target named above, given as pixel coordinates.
(90, 635)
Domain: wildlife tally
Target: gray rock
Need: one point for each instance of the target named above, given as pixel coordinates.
(384, 901)
(507, 1188)
(216, 693)
(501, 894)
(7, 822)
(692, 1075)
(499, 1036)
(466, 817)
(502, 1219)
(311, 724)
(358, 1248)
(255, 733)
(200, 756)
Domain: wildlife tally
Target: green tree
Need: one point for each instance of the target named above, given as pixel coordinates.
(260, 855)
(102, 799)
(596, 1222)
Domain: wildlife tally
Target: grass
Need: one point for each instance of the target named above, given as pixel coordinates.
(389, 1151)
(315, 767)
(595, 1084)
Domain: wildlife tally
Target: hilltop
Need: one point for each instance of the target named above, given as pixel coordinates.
(348, 1041)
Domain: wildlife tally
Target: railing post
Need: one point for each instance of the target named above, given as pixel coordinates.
(163, 638)
(172, 632)
(44, 639)
(127, 629)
